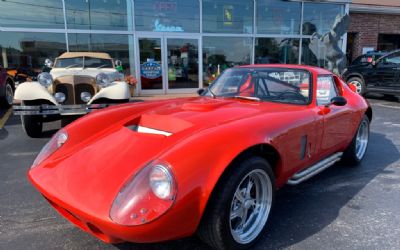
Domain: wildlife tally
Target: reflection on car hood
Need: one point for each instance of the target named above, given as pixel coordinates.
(92, 72)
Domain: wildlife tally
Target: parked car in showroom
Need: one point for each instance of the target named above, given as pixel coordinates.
(207, 165)
(77, 83)
(7, 88)
(376, 72)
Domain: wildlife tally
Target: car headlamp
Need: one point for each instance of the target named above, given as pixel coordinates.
(145, 197)
(103, 80)
(45, 79)
(52, 146)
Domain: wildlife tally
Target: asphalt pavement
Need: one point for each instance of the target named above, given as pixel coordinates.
(342, 208)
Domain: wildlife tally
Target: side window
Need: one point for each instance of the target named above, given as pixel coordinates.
(393, 58)
(326, 90)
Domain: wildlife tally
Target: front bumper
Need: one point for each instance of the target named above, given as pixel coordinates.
(57, 109)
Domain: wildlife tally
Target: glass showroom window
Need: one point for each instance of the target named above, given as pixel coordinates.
(320, 18)
(99, 15)
(32, 14)
(278, 17)
(167, 16)
(220, 53)
(223, 16)
(277, 50)
(120, 47)
(23, 54)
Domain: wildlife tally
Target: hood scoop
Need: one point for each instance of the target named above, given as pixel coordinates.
(155, 124)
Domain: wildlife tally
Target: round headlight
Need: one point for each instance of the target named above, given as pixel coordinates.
(60, 97)
(45, 79)
(102, 80)
(85, 96)
(161, 182)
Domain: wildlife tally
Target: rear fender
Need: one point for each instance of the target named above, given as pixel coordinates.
(117, 91)
(30, 91)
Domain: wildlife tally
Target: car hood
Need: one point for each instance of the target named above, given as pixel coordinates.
(105, 148)
(91, 72)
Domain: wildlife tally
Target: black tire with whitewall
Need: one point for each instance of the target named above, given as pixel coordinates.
(359, 83)
(239, 208)
(8, 98)
(355, 152)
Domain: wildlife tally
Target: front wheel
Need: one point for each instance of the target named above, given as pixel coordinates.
(355, 152)
(238, 211)
(9, 95)
(32, 125)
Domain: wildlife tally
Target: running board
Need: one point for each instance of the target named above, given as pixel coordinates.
(315, 169)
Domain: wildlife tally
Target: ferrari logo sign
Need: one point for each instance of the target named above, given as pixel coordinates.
(228, 15)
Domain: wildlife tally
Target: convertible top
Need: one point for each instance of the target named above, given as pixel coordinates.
(87, 54)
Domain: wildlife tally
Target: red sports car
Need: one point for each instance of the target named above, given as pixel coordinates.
(163, 170)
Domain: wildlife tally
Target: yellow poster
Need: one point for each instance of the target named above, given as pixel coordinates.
(228, 15)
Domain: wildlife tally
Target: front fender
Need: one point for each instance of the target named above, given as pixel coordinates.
(29, 91)
(117, 91)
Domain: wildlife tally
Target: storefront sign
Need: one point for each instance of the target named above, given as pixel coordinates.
(151, 70)
(165, 6)
(228, 15)
(159, 27)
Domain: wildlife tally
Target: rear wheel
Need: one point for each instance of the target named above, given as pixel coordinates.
(358, 147)
(359, 83)
(237, 213)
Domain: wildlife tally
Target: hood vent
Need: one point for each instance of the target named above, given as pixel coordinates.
(146, 130)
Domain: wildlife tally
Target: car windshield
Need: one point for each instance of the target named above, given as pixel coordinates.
(263, 84)
(83, 62)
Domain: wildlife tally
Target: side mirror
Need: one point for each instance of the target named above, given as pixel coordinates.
(118, 63)
(338, 101)
(48, 63)
(201, 91)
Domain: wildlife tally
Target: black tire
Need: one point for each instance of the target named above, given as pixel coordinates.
(65, 121)
(215, 226)
(7, 100)
(351, 155)
(356, 81)
(32, 125)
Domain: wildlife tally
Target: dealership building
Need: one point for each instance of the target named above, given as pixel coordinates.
(170, 46)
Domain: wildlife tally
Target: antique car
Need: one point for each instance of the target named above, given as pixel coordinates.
(207, 165)
(7, 88)
(77, 83)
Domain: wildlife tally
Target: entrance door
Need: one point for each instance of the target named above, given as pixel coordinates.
(183, 64)
(168, 65)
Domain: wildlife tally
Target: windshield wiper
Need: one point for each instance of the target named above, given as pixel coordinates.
(251, 98)
(73, 65)
(101, 66)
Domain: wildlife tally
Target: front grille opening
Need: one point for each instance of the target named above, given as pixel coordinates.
(66, 89)
(83, 87)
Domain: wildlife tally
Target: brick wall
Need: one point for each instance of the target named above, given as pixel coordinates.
(367, 27)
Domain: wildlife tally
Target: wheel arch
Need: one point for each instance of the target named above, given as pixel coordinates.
(368, 113)
(355, 75)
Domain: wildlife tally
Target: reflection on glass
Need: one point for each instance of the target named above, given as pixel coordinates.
(183, 64)
(220, 53)
(119, 47)
(23, 54)
(98, 15)
(277, 50)
(278, 17)
(150, 63)
(167, 16)
(315, 55)
(319, 18)
(32, 14)
(223, 16)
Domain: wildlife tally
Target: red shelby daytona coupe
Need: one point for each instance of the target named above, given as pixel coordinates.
(163, 170)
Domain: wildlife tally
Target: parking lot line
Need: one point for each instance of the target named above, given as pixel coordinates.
(5, 117)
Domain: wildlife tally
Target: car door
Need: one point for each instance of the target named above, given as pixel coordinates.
(387, 71)
(336, 119)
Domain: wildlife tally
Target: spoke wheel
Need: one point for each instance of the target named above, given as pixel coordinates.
(9, 94)
(362, 139)
(250, 206)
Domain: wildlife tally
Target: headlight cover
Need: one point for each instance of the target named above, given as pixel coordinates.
(145, 197)
(52, 146)
(103, 80)
(45, 79)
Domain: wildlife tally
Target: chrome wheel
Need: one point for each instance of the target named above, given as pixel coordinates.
(250, 206)
(362, 139)
(358, 85)
(9, 94)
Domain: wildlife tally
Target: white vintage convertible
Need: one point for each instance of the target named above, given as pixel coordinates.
(77, 83)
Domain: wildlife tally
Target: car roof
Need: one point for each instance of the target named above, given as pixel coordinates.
(315, 70)
(85, 54)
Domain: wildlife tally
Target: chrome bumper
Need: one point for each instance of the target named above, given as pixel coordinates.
(57, 110)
